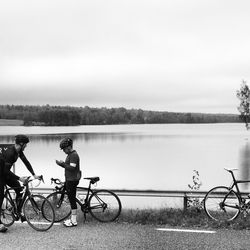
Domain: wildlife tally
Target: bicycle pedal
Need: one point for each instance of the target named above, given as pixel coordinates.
(16, 217)
(23, 218)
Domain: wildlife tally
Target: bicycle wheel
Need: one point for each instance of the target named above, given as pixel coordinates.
(104, 205)
(222, 204)
(39, 213)
(7, 217)
(60, 204)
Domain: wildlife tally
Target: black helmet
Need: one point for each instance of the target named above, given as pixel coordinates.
(21, 139)
(65, 143)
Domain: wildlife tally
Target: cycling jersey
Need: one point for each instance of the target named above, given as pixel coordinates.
(8, 158)
(71, 173)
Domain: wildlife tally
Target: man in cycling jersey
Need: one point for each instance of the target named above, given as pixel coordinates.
(72, 177)
(7, 177)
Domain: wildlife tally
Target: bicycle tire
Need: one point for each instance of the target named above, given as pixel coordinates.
(39, 213)
(104, 205)
(222, 204)
(61, 207)
(7, 218)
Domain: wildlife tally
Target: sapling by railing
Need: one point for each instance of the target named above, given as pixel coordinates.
(195, 202)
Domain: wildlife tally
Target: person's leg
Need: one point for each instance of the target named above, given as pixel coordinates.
(71, 191)
(2, 183)
(74, 205)
(13, 183)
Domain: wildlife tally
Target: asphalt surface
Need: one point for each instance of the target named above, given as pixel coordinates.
(92, 235)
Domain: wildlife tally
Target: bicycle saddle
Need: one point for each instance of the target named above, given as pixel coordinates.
(93, 180)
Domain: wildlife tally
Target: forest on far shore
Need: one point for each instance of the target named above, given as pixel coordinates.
(67, 116)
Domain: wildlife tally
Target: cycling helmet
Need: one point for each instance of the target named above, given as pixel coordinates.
(65, 143)
(21, 139)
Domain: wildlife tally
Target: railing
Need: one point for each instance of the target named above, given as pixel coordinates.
(146, 193)
(185, 195)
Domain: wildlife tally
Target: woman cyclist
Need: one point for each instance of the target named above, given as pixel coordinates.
(7, 177)
(72, 177)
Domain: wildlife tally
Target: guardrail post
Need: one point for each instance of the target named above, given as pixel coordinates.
(185, 202)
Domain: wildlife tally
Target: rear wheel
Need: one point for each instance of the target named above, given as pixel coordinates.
(61, 205)
(104, 205)
(7, 217)
(222, 204)
(39, 213)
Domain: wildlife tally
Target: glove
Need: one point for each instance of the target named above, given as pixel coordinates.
(23, 179)
(36, 176)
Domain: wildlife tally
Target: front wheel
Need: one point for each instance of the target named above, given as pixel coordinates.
(222, 204)
(39, 213)
(61, 205)
(7, 217)
(104, 205)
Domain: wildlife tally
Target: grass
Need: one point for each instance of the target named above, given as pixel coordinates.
(191, 218)
(9, 122)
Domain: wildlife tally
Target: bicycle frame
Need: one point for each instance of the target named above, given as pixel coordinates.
(17, 209)
(88, 191)
(235, 184)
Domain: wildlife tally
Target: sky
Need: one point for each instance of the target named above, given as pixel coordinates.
(161, 55)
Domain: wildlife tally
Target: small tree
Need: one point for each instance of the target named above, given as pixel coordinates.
(195, 202)
(244, 96)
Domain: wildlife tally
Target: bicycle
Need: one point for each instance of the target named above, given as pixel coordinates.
(37, 210)
(103, 205)
(224, 204)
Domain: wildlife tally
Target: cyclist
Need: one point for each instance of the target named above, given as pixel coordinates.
(7, 177)
(72, 177)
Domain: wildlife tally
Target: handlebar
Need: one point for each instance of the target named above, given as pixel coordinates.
(56, 181)
(40, 178)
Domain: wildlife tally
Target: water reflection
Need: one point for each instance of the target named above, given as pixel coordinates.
(245, 164)
(86, 137)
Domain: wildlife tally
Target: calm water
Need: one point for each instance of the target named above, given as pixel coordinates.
(141, 156)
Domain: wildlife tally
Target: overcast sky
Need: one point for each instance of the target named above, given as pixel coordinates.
(168, 55)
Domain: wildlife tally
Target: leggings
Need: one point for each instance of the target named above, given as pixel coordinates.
(11, 182)
(71, 190)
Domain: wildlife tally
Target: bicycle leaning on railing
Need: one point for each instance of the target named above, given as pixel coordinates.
(37, 210)
(103, 205)
(226, 203)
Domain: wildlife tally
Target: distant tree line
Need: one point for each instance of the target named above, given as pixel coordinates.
(67, 115)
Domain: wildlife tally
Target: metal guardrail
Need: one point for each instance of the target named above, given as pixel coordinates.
(145, 193)
(184, 194)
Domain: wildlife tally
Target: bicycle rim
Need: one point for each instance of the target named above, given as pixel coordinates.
(7, 217)
(104, 205)
(60, 204)
(222, 204)
(39, 213)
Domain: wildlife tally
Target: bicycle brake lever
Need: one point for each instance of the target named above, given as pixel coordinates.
(41, 178)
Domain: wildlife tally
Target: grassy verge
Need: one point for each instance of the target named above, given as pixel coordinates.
(178, 218)
(7, 122)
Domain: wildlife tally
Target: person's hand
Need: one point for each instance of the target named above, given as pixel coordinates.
(60, 163)
(37, 176)
(23, 179)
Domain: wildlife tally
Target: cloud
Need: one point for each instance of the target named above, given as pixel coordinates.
(160, 55)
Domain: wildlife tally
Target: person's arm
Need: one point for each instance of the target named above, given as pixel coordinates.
(26, 163)
(70, 167)
(74, 161)
(7, 172)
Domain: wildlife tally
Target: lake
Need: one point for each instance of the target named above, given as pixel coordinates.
(158, 157)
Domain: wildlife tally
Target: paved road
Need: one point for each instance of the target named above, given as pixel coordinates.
(120, 236)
